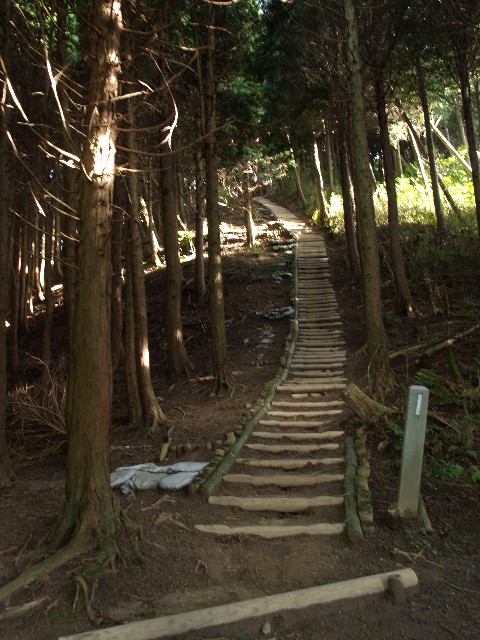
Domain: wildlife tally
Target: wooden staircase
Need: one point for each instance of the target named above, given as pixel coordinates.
(290, 480)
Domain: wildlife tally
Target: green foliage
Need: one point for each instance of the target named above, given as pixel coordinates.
(474, 473)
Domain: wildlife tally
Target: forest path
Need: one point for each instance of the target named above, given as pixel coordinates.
(290, 480)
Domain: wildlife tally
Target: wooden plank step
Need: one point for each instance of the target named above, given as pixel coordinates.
(293, 504)
(313, 404)
(293, 448)
(310, 388)
(312, 359)
(315, 375)
(270, 532)
(298, 437)
(323, 333)
(303, 413)
(312, 356)
(282, 480)
(305, 424)
(287, 464)
(324, 349)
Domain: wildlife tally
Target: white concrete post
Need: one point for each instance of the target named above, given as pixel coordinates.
(412, 453)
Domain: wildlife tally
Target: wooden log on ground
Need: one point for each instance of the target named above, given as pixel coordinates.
(176, 624)
(292, 504)
(354, 528)
(368, 410)
(270, 532)
(283, 480)
(287, 464)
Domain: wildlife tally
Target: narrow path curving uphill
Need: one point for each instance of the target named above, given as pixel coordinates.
(290, 478)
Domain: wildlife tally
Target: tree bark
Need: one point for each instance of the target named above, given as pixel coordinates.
(319, 182)
(329, 153)
(247, 213)
(437, 200)
(296, 170)
(381, 374)
(117, 283)
(47, 326)
(176, 353)
(152, 416)
(399, 162)
(70, 188)
(200, 285)
(348, 210)
(401, 284)
(6, 471)
(90, 512)
(215, 274)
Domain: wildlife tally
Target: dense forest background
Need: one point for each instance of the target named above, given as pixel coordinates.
(128, 128)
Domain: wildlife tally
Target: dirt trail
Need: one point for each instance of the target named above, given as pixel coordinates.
(184, 569)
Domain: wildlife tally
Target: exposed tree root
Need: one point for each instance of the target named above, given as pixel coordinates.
(78, 546)
(21, 609)
(222, 382)
(83, 587)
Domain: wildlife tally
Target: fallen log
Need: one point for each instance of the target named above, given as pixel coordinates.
(368, 410)
(429, 349)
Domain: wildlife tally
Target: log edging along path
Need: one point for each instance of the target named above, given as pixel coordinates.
(282, 432)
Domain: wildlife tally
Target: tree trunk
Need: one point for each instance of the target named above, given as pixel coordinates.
(465, 88)
(70, 188)
(348, 212)
(247, 213)
(200, 286)
(152, 415)
(319, 182)
(153, 235)
(47, 326)
(461, 127)
(437, 200)
(14, 292)
(382, 376)
(401, 284)
(296, 170)
(134, 406)
(328, 148)
(6, 471)
(117, 282)
(215, 275)
(90, 512)
(399, 162)
(176, 354)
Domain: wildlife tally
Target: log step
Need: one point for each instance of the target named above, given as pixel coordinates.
(304, 413)
(305, 405)
(292, 504)
(305, 424)
(316, 376)
(298, 437)
(287, 464)
(270, 532)
(283, 480)
(297, 448)
(311, 388)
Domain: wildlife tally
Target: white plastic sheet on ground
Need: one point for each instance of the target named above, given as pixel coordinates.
(150, 476)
